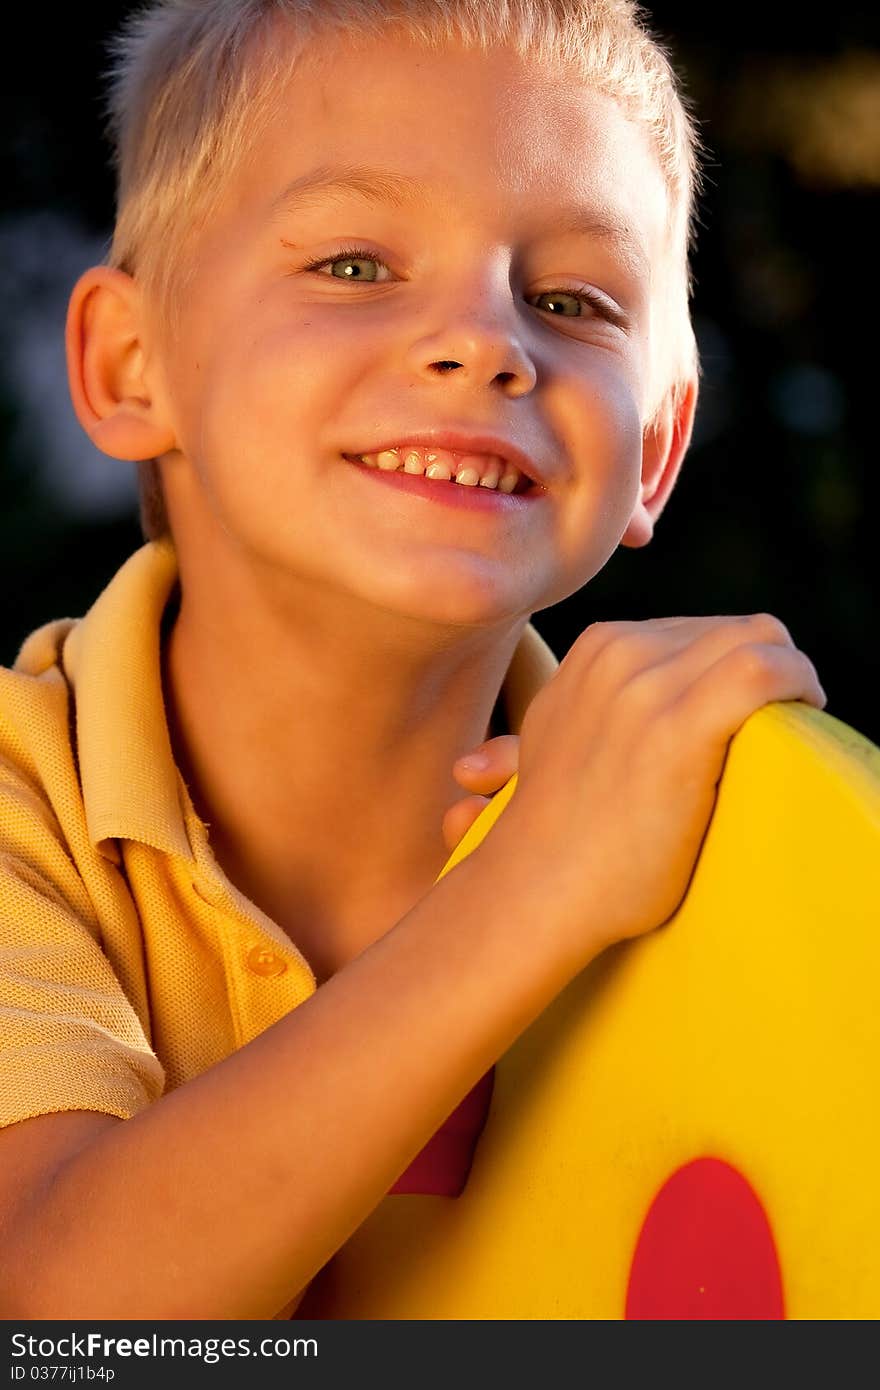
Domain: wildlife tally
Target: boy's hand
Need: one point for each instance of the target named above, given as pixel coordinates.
(501, 755)
(620, 756)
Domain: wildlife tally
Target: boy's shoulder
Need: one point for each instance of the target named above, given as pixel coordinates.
(82, 712)
(73, 986)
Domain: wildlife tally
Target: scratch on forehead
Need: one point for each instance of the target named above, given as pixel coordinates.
(398, 190)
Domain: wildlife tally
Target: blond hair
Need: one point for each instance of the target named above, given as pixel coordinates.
(193, 82)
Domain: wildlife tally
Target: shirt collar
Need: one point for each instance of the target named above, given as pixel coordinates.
(112, 658)
(131, 786)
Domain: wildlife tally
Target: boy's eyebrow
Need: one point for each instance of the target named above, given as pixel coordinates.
(377, 185)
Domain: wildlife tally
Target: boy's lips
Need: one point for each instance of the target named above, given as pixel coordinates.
(463, 442)
(453, 494)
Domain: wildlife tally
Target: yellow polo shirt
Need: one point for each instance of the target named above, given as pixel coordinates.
(129, 963)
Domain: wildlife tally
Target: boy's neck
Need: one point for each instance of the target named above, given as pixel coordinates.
(322, 763)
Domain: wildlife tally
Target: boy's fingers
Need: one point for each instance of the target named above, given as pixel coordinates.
(754, 663)
(483, 770)
(460, 817)
(659, 664)
(741, 682)
(500, 760)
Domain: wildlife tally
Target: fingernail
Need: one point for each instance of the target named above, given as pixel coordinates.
(473, 762)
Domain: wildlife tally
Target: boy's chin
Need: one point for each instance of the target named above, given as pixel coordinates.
(452, 603)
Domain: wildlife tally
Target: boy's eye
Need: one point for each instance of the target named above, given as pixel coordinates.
(351, 259)
(357, 256)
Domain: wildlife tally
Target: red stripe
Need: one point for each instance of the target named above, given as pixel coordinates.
(443, 1166)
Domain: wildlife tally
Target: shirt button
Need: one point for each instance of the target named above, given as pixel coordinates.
(262, 961)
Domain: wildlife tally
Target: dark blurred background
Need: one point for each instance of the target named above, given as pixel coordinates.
(776, 506)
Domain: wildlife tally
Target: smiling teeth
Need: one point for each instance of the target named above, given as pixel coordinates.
(469, 470)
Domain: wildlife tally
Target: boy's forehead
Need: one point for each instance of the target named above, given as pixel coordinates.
(453, 128)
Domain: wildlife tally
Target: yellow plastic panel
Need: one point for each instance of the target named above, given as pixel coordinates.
(747, 1029)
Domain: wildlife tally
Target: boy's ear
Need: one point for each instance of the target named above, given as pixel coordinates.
(105, 367)
(664, 446)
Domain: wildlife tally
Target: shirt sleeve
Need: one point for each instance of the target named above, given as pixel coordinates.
(70, 1039)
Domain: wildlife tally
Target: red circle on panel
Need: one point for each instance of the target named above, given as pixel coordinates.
(705, 1251)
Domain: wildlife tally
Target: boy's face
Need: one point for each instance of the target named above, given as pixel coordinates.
(277, 371)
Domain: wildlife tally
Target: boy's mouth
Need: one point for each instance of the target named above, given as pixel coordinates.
(463, 470)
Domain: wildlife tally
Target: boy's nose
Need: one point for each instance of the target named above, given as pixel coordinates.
(479, 349)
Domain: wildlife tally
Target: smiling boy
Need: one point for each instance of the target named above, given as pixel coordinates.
(325, 619)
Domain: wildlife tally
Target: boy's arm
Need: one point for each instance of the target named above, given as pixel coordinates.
(225, 1197)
